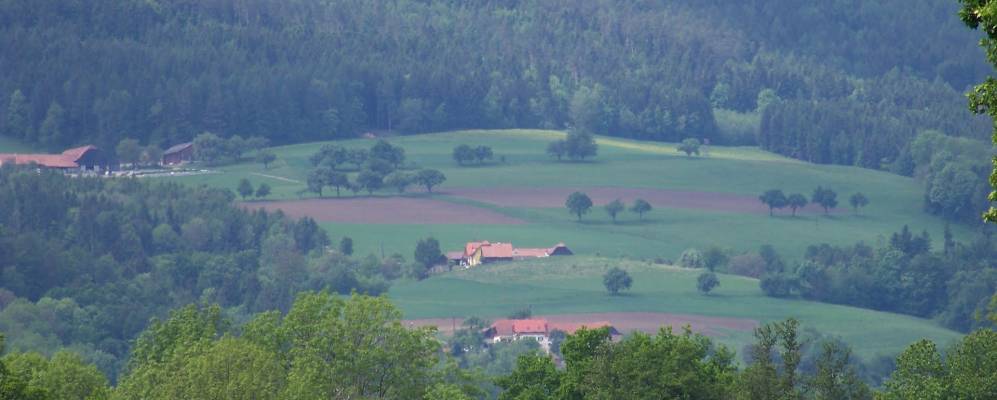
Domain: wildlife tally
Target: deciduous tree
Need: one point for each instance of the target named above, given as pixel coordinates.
(346, 245)
(689, 146)
(556, 149)
(706, 282)
(263, 190)
(616, 280)
(430, 178)
(773, 199)
(398, 180)
(463, 154)
(427, 252)
(265, 157)
(826, 197)
(857, 201)
(796, 201)
(245, 188)
(614, 208)
(641, 207)
(370, 180)
(975, 13)
(129, 151)
(578, 203)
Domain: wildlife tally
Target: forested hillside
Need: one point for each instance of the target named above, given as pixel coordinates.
(86, 262)
(848, 82)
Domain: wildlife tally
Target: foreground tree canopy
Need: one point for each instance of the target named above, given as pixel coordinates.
(983, 99)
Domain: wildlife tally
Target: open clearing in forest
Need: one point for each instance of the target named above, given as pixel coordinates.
(698, 202)
(519, 197)
(386, 210)
(625, 322)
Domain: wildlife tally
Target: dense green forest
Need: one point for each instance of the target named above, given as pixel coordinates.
(86, 262)
(909, 274)
(846, 82)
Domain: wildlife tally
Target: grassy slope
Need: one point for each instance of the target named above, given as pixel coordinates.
(573, 285)
(498, 289)
(895, 200)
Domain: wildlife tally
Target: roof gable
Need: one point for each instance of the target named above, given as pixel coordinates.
(178, 148)
(74, 154)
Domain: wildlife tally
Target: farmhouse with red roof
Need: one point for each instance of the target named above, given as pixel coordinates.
(77, 159)
(506, 330)
(476, 253)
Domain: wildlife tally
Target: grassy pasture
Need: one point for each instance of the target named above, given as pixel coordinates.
(574, 284)
(895, 200)
(569, 285)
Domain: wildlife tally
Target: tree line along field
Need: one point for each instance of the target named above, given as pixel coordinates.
(573, 285)
(741, 173)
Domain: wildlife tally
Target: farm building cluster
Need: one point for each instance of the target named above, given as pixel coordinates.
(76, 160)
(91, 159)
(507, 330)
(477, 253)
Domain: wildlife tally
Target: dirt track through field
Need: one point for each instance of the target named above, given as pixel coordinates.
(391, 210)
(624, 322)
(543, 197)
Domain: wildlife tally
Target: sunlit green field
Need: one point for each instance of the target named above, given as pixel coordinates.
(552, 287)
(895, 200)
(570, 285)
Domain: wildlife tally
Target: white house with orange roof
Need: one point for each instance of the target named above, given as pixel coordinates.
(476, 253)
(507, 330)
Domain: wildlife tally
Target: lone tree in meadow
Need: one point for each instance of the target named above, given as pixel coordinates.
(689, 146)
(429, 178)
(245, 188)
(641, 207)
(774, 199)
(827, 198)
(616, 280)
(578, 203)
(858, 200)
(706, 282)
(263, 190)
(614, 208)
(796, 201)
(427, 252)
(265, 157)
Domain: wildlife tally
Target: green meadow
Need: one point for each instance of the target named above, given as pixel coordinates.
(520, 162)
(571, 285)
